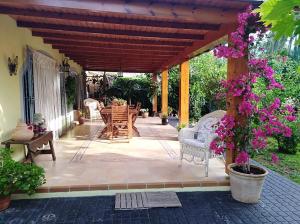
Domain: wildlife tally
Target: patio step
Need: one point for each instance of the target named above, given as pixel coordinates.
(130, 186)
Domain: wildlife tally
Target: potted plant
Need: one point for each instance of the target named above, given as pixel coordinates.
(180, 126)
(164, 119)
(119, 102)
(145, 113)
(257, 120)
(17, 176)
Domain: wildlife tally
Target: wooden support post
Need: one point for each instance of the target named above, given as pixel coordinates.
(164, 92)
(154, 98)
(235, 68)
(184, 87)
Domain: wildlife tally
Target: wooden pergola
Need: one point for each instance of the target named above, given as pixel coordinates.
(148, 36)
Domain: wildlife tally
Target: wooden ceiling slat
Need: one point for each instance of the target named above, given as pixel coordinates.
(112, 46)
(86, 37)
(118, 70)
(106, 19)
(39, 25)
(137, 58)
(87, 51)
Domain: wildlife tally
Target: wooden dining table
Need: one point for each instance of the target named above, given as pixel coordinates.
(106, 117)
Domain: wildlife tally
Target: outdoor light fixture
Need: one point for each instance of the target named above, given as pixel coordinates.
(65, 65)
(13, 65)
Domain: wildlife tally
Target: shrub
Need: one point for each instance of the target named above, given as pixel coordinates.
(16, 176)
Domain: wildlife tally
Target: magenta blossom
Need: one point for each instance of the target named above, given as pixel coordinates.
(242, 158)
(275, 158)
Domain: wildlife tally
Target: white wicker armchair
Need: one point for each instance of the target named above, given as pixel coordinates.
(195, 142)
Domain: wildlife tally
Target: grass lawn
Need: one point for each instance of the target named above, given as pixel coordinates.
(289, 165)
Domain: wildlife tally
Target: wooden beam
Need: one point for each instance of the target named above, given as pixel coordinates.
(139, 9)
(86, 50)
(235, 68)
(104, 18)
(118, 32)
(164, 92)
(193, 50)
(184, 87)
(80, 37)
(154, 98)
(117, 46)
(118, 69)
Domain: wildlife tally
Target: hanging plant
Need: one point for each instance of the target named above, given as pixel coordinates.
(70, 86)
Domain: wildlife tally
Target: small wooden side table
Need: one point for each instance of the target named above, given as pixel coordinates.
(33, 145)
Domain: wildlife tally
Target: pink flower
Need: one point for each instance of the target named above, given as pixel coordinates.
(217, 147)
(290, 118)
(245, 108)
(242, 158)
(275, 158)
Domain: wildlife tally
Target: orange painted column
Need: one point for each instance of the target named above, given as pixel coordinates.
(235, 67)
(184, 88)
(164, 92)
(154, 98)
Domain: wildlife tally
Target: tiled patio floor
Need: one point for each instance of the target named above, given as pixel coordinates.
(85, 162)
(280, 204)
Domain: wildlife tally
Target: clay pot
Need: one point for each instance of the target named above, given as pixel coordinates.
(164, 121)
(246, 187)
(4, 202)
(81, 120)
(145, 114)
(22, 133)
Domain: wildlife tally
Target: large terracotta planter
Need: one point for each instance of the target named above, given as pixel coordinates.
(4, 202)
(22, 133)
(246, 188)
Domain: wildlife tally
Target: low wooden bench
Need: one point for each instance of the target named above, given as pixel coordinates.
(34, 145)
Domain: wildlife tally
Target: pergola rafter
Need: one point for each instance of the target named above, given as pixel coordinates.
(173, 28)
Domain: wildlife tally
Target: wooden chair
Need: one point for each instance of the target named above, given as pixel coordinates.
(121, 122)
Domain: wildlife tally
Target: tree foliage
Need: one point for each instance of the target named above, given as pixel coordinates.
(280, 15)
(206, 71)
(140, 89)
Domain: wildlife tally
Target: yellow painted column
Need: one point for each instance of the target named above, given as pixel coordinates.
(154, 98)
(235, 67)
(184, 88)
(164, 92)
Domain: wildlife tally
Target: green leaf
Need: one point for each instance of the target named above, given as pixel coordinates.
(279, 14)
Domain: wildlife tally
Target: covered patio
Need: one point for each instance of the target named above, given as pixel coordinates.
(148, 36)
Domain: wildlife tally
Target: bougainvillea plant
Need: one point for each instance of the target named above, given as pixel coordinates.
(255, 122)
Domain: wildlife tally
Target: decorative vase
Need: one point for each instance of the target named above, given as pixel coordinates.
(22, 133)
(246, 187)
(145, 114)
(4, 202)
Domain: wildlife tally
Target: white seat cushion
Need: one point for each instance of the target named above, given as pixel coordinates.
(194, 142)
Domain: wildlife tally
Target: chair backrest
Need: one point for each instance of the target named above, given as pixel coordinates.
(120, 114)
(209, 121)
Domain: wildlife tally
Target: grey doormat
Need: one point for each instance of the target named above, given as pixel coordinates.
(144, 200)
